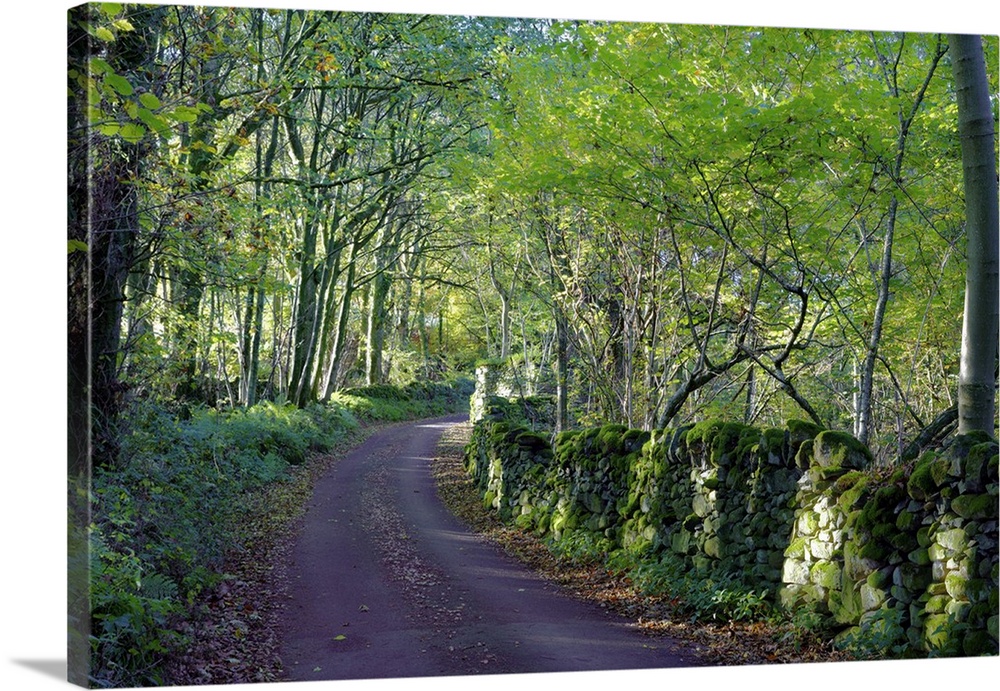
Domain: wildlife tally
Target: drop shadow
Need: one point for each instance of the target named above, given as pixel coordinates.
(50, 668)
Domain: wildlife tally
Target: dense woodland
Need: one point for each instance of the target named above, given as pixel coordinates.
(667, 221)
(652, 223)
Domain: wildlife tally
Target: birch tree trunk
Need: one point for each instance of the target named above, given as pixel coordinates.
(977, 372)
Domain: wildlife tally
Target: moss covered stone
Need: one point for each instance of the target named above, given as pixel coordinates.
(823, 477)
(845, 604)
(952, 541)
(807, 523)
(936, 604)
(853, 494)
(826, 574)
(801, 430)
(872, 598)
(978, 642)
(774, 443)
(711, 479)
(680, 542)
(795, 571)
(976, 466)
(955, 584)
(912, 577)
(905, 521)
(713, 548)
(874, 550)
(832, 448)
(532, 441)
(797, 548)
(902, 541)
(940, 468)
(804, 455)
(919, 556)
(975, 507)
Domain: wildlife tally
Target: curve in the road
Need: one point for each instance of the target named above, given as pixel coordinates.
(385, 583)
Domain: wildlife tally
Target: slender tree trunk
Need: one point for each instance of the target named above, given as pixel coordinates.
(377, 314)
(977, 372)
(378, 309)
(864, 409)
(308, 310)
(562, 370)
(333, 375)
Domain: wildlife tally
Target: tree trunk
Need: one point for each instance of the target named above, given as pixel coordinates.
(562, 370)
(977, 372)
(864, 407)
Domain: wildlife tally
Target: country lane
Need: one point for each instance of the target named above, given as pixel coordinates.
(385, 583)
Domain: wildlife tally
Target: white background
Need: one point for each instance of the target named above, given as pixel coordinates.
(32, 332)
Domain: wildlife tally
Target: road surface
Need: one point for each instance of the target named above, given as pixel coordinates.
(385, 583)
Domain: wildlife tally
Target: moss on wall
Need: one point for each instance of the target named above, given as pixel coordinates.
(796, 511)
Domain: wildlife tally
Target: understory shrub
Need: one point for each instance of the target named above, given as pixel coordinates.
(716, 595)
(385, 402)
(165, 517)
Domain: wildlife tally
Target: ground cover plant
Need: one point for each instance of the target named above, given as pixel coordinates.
(189, 497)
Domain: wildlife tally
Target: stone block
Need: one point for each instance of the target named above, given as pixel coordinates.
(713, 548)
(700, 505)
(798, 548)
(974, 507)
(958, 610)
(901, 594)
(839, 449)
(822, 550)
(937, 604)
(795, 572)
(912, 577)
(808, 523)
(826, 574)
(872, 598)
(680, 541)
(937, 630)
(955, 584)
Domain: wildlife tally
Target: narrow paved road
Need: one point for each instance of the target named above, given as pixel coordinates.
(386, 583)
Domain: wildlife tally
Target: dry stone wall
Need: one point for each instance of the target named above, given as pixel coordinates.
(907, 557)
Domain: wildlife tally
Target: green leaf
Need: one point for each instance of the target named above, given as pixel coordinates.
(132, 132)
(184, 114)
(109, 130)
(123, 25)
(119, 84)
(154, 122)
(99, 66)
(112, 8)
(104, 34)
(77, 246)
(340, 637)
(150, 101)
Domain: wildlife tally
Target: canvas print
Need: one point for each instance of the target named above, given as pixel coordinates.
(421, 345)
